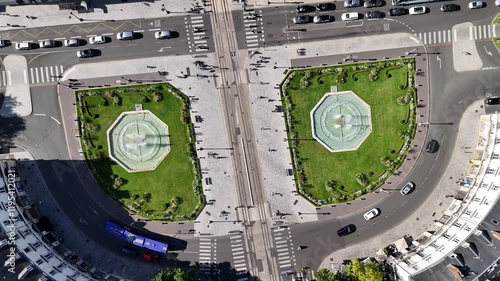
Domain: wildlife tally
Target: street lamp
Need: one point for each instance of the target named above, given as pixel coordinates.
(71, 13)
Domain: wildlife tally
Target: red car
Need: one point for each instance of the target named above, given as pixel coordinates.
(150, 257)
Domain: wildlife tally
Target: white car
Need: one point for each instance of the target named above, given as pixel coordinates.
(418, 10)
(350, 16)
(2, 43)
(497, 3)
(23, 46)
(71, 43)
(476, 4)
(97, 40)
(163, 34)
(48, 44)
(371, 214)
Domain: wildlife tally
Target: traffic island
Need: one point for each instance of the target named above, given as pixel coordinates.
(349, 127)
(138, 142)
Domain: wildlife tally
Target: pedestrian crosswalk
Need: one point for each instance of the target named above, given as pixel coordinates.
(476, 32)
(238, 252)
(37, 75)
(207, 254)
(285, 253)
(254, 32)
(197, 34)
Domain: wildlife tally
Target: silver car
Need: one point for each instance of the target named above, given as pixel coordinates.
(71, 43)
(408, 188)
(371, 214)
(163, 34)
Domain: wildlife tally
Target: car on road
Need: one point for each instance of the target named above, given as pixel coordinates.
(398, 11)
(322, 19)
(373, 3)
(305, 9)
(418, 10)
(163, 34)
(150, 257)
(371, 214)
(432, 146)
(497, 3)
(325, 7)
(352, 3)
(71, 42)
(48, 44)
(128, 251)
(88, 53)
(450, 8)
(407, 188)
(476, 4)
(350, 16)
(2, 43)
(493, 101)
(374, 15)
(126, 35)
(346, 230)
(23, 46)
(97, 40)
(302, 19)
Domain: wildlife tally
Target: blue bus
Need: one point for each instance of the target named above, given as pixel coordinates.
(135, 239)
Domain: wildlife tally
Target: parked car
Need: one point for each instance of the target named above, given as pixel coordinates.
(322, 19)
(2, 43)
(23, 46)
(497, 3)
(346, 230)
(150, 257)
(374, 15)
(418, 10)
(325, 7)
(493, 101)
(305, 9)
(88, 53)
(371, 214)
(163, 34)
(476, 4)
(350, 16)
(127, 35)
(432, 146)
(48, 44)
(302, 19)
(407, 188)
(128, 251)
(373, 3)
(352, 3)
(71, 42)
(97, 40)
(451, 7)
(398, 11)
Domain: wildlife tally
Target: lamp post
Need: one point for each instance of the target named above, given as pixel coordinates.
(71, 13)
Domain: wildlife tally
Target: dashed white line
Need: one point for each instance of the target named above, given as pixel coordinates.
(154, 29)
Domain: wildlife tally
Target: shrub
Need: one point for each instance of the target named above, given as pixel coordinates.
(157, 97)
(94, 127)
(117, 182)
(117, 100)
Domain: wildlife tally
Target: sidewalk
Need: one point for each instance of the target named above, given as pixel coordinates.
(437, 202)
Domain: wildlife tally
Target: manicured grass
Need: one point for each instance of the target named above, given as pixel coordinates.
(174, 177)
(497, 19)
(496, 41)
(319, 164)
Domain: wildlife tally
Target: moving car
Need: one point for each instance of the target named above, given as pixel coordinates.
(23, 46)
(497, 3)
(374, 15)
(163, 34)
(373, 3)
(418, 10)
(302, 19)
(346, 230)
(398, 11)
(352, 3)
(493, 101)
(88, 53)
(325, 7)
(432, 146)
(476, 4)
(128, 251)
(97, 40)
(322, 18)
(408, 188)
(371, 214)
(127, 35)
(450, 8)
(48, 44)
(71, 43)
(350, 16)
(2, 43)
(305, 9)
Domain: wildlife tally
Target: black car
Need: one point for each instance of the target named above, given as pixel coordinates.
(346, 230)
(128, 251)
(373, 3)
(432, 146)
(305, 9)
(374, 15)
(302, 19)
(326, 7)
(493, 101)
(89, 53)
(450, 8)
(398, 11)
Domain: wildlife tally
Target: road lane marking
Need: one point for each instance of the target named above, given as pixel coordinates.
(76, 36)
(138, 31)
(129, 45)
(107, 34)
(39, 114)
(154, 29)
(26, 78)
(57, 122)
(91, 35)
(62, 38)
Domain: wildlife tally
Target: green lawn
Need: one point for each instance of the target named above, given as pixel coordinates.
(319, 164)
(497, 19)
(174, 177)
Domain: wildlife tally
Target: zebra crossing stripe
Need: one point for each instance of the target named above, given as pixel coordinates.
(51, 74)
(31, 75)
(455, 35)
(425, 38)
(489, 31)
(206, 254)
(282, 254)
(480, 32)
(484, 31)
(449, 35)
(47, 73)
(439, 36)
(434, 33)
(471, 32)
(282, 250)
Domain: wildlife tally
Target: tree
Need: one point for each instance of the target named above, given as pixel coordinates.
(358, 271)
(175, 275)
(323, 275)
